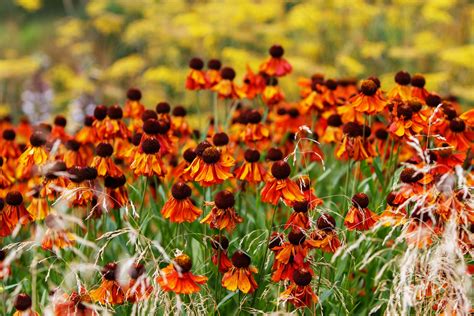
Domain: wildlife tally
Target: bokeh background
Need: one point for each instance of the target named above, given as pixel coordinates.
(68, 55)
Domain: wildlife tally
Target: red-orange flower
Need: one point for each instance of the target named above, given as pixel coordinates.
(133, 108)
(279, 185)
(325, 236)
(179, 207)
(196, 79)
(402, 90)
(300, 293)
(23, 306)
(56, 235)
(103, 161)
(226, 88)
(34, 155)
(290, 256)
(75, 304)
(178, 278)
(272, 94)
(223, 215)
(240, 275)
(354, 143)
(359, 217)
(213, 75)
(370, 99)
(251, 170)
(276, 65)
(219, 245)
(147, 160)
(139, 287)
(109, 291)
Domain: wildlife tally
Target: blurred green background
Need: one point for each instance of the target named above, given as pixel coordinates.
(67, 55)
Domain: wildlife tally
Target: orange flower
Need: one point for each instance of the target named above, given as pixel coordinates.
(333, 131)
(394, 214)
(240, 275)
(6, 180)
(103, 162)
(402, 90)
(272, 94)
(276, 65)
(56, 236)
(226, 88)
(14, 212)
(196, 79)
(213, 75)
(254, 130)
(414, 182)
(254, 84)
(55, 180)
(58, 131)
(251, 170)
(304, 183)
(299, 217)
(178, 278)
(418, 87)
(38, 207)
(359, 217)
(87, 134)
(289, 256)
(79, 191)
(109, 291)
(401, 124)
(300, 293)
(314, 100)
(354, 143)
(180, 208)
(133, 108)
(138, 288)
(223, 215)
(159, 130)
(74, 304)
(279, 186)
(370, 99)
(112, 127)
(8, 147)
(179, 125)
(147, 161)
(459, 135)
(23, 305)
(34, 155)
(209, 167)
(219, 245)
(74, 156)
(116, 193)
(325, 236)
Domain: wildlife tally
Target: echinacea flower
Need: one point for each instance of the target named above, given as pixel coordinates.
(325, 236)
(139, 287)
(280, 186)
(109, 290)
(147, 160)
(359, 217)
(133, 108)
(77, 304)
(276, 65)
(213, 75)
(418, 87)
(370, 100)
(196, 79)
(219, 244)
(289, 256)
(354, 143)
(226, 88)
(23, 305)
(34, 155)
(402, 90)
(223, 215)
(251, 170)
(56, 235)
(179, 207)
(240, 275)
(103, 161)
(209, 167)
(178, 278)
(300, 293)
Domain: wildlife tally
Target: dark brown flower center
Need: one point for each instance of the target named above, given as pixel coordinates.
(404, 111)
(100, 112)
(104, 150)
(410, 175)
(274, 154)
(9, 134)
(457, 125)
(134, 94)
(14, 198)
(326, 222)
(228, 73)
(115, 112)
(184, 262)
(281, 170)
(163, 108)
(368, 87)
(214, 64)
(219, 242)
(196, 63)
(179, 111)
(252, 155)
(180, 191)
(302, 277)
(360, 200)
(151, 146)
(296, 237)
(189, 155)
(224, 199)
(240, 259)
(220, 139)
(335, 120)
(276, 51)
(433, 100)
(73, 145)
(418, 81)
(301, 207)
(211, 155)
(109, 271)
(403, 78)
(22, 302)
(37, 139)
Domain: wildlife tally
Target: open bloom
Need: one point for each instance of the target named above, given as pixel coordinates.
(133, 108)
(223, 215)
(359, 217)
(370, 100)
(76, 303)
(240, 275)
(276, 65)
(279, 186)
(13, 213)
(251, 170)
(213, 75)
(418, 87)
(178, 278)
(290, 255)
(272, 94)
(116, 193)
(325, 236)
(354, 143)
(147, 160)
(56, 236)
(226, 88)
(402, 90)
(300, 293)
(109, 291)
(219, 245)
(209, 167)
(179, 207)
(34, 155)
(139, 287)
(103, 161)
(196, 79)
